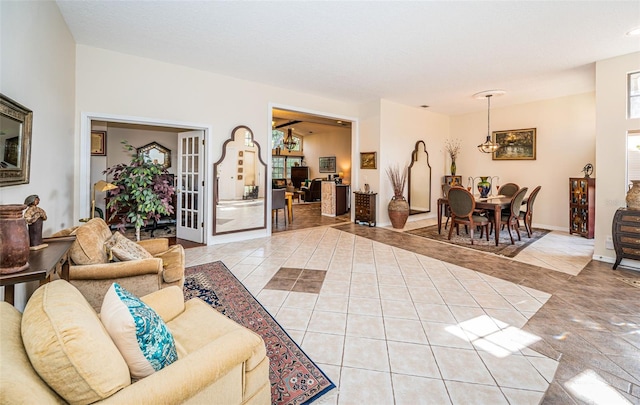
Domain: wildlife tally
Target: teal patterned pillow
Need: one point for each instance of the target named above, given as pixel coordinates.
(142, 337)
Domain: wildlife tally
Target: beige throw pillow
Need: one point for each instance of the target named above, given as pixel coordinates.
(68, 346)
(125, 249)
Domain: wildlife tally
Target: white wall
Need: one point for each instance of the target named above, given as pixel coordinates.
(611, 145)
(565, 143)
(37, 71)
(331, 143)
(401, 127)
(111, 83)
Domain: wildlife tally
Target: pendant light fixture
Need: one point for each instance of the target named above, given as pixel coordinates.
(289, 142)
(488, 146)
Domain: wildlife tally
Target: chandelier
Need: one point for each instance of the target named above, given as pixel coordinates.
(289, 142)
(488, 146)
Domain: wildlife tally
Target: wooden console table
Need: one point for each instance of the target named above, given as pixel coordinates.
(42, 264)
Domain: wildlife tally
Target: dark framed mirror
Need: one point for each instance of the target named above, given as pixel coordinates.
(15, 142)
(419, 180)
(240, 185)
(156, 153)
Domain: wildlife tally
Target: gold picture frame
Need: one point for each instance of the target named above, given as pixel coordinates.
(515, 144)
(368, 160)
(98, 143)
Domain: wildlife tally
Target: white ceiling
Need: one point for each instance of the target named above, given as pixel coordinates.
(437, 53)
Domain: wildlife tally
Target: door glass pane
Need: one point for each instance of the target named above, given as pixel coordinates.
(634, 94)
(633, 156)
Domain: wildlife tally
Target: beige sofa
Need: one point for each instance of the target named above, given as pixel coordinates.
(58, 352)
(92, 272)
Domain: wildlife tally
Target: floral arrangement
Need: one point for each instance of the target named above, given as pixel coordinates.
(452, 146)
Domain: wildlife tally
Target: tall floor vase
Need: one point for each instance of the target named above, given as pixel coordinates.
(398, 211)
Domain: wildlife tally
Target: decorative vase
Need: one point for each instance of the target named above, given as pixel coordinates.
(633, 196)
(14, 239)
(453, 167)
(398, 211)
(484, 186)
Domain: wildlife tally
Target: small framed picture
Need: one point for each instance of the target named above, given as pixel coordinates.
(240, 162)
(239, 177)
(240, 153)
(239, 169)
(368, 160)
(327, 164)
(98, 143)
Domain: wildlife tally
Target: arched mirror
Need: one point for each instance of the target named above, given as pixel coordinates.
(419, 180)
(240, 185)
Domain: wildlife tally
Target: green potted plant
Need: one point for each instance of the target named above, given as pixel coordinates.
(143, 191)
(398, 206)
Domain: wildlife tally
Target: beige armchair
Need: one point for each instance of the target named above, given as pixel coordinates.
(58, 352)
(92, 272)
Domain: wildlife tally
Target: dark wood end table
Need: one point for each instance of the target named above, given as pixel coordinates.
(42, 264)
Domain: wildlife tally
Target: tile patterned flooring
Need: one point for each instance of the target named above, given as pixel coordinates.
(404, 320)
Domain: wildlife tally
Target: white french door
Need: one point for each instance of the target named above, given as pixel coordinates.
(190, 187)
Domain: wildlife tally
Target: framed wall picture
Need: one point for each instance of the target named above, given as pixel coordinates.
(240, 153)
(368, 160)
(98, 143)
(327, 164)
(515, 144)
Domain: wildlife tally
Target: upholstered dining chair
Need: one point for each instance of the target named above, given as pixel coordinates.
(510, 219)
(462, 206)
(279, 202)
(527, 216)
(447, 211)
(508, 190)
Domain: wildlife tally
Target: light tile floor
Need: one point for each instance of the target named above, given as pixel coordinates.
(390, 326)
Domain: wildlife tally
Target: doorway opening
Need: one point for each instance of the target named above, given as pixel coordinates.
(186, 159)
(301, 143)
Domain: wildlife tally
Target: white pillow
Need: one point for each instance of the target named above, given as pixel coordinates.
(143, 339)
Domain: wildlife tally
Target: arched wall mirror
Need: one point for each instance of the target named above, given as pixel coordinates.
(419, 180)
(240, 184)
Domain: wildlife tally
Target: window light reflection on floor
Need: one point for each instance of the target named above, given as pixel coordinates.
(590, 387)
(493, 335)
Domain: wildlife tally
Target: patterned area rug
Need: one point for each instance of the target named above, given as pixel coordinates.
(504, 248)
(295, 379)
(632, 282)
(162, 231)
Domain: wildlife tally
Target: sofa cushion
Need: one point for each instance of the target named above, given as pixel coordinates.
(172, 263)
(144, 340)
(68, 346)
(88, 247)
(124, 249)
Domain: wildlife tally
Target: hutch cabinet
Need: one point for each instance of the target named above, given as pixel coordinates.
(582, 212)
(365, 207)
(626, 235)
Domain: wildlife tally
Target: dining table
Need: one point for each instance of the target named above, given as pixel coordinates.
(492, 203)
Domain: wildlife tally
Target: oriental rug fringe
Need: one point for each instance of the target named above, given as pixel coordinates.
(295, 378)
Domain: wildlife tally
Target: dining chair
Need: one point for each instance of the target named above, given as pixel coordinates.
(508, 190)
(527, 216)
(279, 202)
(447, 210)
(462, 205)
(510, 219)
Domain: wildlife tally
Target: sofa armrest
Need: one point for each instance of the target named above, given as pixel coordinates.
(191, 374)
(167, 302)
(155, 245)
(115, 270)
